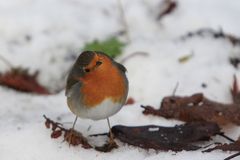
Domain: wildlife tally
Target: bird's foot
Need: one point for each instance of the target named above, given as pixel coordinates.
(107, 147)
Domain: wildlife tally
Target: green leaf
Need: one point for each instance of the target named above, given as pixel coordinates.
(111, 46)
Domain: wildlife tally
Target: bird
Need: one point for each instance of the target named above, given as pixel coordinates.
(96, 88)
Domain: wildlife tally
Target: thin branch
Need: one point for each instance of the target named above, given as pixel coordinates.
(233, 39)
(232, 156)
(175, 89)
(133, 55)
(226, 137)
(124, 21)
(6, 62)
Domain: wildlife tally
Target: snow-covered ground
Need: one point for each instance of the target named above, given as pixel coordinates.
(46, 35)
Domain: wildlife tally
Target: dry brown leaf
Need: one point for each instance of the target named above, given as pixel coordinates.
(71, 136)
(20, 79)
(196, 108)
(176, 138)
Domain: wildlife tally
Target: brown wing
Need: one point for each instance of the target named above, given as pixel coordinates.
(121, 67)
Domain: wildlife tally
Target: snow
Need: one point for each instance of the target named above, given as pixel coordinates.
(47, 36)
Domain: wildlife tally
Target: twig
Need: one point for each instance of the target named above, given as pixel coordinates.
(215, 143)
(235, 90)
(55, 124)
(232, 156)
(175, 89)
(224, 136)
(124, 21)
(99, 134)
(234, 40)
(6, 62)
(168, 6)
(133, 55)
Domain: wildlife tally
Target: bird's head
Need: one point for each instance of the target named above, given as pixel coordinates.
(91, 63)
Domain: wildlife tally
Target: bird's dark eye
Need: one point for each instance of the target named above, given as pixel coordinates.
(87, 70)
(98, 63)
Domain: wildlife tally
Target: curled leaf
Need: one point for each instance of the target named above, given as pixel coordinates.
(196, 108)
(71, 136)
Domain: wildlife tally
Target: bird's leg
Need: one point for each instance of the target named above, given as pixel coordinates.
(111, 136)
(111, 143)
(68, 137)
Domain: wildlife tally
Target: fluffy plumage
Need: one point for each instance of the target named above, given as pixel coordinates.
(97, 86)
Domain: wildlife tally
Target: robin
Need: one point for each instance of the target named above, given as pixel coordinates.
(97, 87)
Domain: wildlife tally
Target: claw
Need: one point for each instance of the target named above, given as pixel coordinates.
(107, 147)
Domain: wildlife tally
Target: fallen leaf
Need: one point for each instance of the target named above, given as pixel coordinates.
(75, 138)
(71, 136)
(56, 133)
(112, 46)
(196, 108)
(20, 79)
(176, 138)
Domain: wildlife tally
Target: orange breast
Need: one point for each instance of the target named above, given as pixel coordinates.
(105, 82)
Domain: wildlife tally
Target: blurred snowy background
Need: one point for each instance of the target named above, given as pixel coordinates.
(48, 36)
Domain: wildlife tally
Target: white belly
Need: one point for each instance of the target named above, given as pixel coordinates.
(106, 109)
